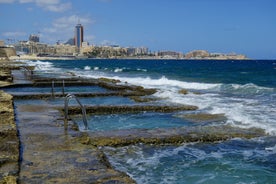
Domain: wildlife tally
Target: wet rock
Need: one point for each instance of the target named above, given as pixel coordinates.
(183, 91)
(102, 79)
(130, 109)
(9, 141)
(52, 151)
(203, 118)
(140, 99)
(9, 180)
(171, 135)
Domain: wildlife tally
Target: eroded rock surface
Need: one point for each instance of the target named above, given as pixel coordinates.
(169, 135)
(9, 141)
(53, 154)
(203, 117)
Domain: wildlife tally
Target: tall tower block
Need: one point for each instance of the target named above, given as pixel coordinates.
(78, 35)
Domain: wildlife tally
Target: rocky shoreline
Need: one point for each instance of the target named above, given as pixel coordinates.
(9, 138)
(43, 147)
(24, 161)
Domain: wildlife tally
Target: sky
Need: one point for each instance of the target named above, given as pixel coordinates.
(218, 26)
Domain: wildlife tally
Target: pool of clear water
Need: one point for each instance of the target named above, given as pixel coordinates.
(110, 100)
(141, 120)
(48, 89)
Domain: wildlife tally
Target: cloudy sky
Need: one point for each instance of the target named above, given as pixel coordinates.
(240, 26)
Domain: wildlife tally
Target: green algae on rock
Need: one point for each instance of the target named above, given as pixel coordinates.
(130, 109)
(9, 141)
(169, 135)
(202, 117)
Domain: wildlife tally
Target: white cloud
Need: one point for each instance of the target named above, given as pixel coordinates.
(49, 5)
(63, 28)
(59, 8)
(107, 42)
(71, 21)
(7, 1)
(14, 34)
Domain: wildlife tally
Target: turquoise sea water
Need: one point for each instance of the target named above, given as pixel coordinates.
(244, 91)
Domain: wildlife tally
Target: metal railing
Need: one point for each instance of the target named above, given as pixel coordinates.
(84, 116)
(53, 88)
(28, 72)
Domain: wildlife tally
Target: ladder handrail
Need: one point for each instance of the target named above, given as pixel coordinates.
(84, 116)
(27, 70)
(53, 88)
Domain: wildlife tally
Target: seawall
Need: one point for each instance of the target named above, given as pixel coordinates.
(9, 140)
(6, 52)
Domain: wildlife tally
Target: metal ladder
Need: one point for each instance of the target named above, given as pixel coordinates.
(27, 71)
(84, 117)
(53, 88)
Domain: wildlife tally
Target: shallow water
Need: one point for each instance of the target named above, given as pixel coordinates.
(84, 101)
(143, 120)
(234, 161)
(57, 89)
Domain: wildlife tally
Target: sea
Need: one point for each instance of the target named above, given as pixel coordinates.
(244, 91)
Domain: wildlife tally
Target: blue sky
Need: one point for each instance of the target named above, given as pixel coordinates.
(241, 26)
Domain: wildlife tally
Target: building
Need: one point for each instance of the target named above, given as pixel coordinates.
(2, 43)
(131, 51)
(34, 38)
(30, 47)
(170, 54)
(65, 50)
(78, 39)
(141, 51)
(85, 44)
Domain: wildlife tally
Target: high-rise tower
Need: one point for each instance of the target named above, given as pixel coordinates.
(78, 35)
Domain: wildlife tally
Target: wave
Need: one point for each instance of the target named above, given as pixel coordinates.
(147, 164)
(87, 68)
(40, 65)
(249, 88)
(164, 82)
(116, 70)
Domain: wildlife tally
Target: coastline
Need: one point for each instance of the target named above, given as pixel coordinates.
(34, 57)
(9, 144)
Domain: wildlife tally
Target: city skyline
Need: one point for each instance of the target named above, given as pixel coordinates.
(239, 26)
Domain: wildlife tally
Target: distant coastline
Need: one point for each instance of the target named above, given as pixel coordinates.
(36, 50)
(35, 57)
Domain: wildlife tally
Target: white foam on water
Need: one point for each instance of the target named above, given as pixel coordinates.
(116, 70)
(146, 165)
(245, 106)
(271, 149)
(248, 89)
(143, 70)
(240, 110)
(87, 68)
(165, 82)
(41, 65)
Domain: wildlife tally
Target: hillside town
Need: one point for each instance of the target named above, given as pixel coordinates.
(78, 48)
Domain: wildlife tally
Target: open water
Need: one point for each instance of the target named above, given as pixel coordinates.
(244, 91)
